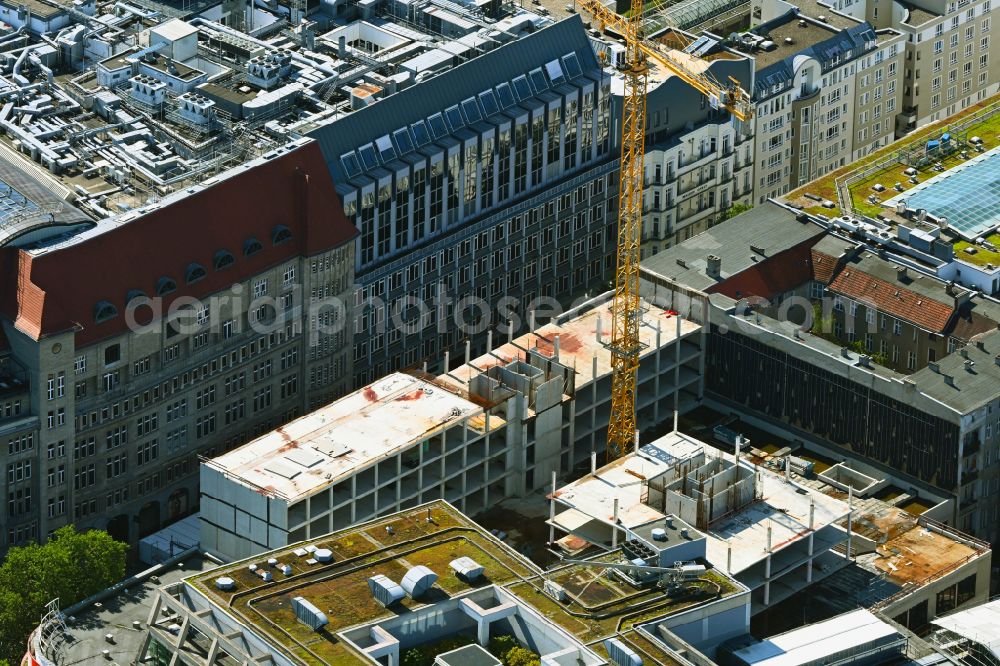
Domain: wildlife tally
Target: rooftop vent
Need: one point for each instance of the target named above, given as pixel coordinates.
(789, 40)
(323, 555)
(467, 568)
(225, 583)
(759, 249)
(969, 364)
(802, 23)
(659, 534)
(308, 614)
(385, 590)
(418, 580)
(714, 268)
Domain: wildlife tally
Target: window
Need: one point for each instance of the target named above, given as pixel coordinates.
(280, 234)
(80, 365)
(260, 288)
(194, 273)
(911, 360)
(288, 276)
(104, 311)
(205, 425)
(146, 424)
(251, 247)
(116, 465)
(223, 259)
(146, 453)
(165, 286)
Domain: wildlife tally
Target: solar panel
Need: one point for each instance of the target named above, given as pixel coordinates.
(403, 142)
(385, 150)
(454, 117)
(351, 165)
(554, 70)
(572, 65)
(506, 96)
(471, 110)
(436, 123)
(489, 102)
(521, 88)
(969, 197)
(420, 134)
(538, 81)
(367, 152)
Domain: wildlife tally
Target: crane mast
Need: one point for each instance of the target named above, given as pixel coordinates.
(625, 310)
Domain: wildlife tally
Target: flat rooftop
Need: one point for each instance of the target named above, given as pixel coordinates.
(594, 495)
(84, 644)
(339, 588)
(335, 441)
(781, 514)
(578, 343)
(803, 37)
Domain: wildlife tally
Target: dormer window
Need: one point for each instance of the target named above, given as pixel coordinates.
(165, 286)
(280, 234)
(134, 294)
(223, 259)
(194, 273)
(251, 247)
(104, 311)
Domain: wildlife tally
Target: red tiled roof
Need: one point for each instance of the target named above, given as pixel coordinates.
(823, 266)
(892, 299)
(59, 290)
(771, 276)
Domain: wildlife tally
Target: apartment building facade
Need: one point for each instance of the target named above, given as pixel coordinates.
(699, 162)
(133, 349)
(827, 90)
(949, 63)
(493, 179)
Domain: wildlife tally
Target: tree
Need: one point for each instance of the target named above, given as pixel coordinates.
(71, 566)
(520, 656)
(735, 210)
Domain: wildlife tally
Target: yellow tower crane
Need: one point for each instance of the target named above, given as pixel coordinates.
(626, 313)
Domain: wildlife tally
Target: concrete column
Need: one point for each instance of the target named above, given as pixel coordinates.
(555, 348)
(468, 352)
(812, 532)
(656, 375)
(552, 510)
(729, 557)
(593, 462)
(614, 530)
(447, 362)
(599, 331)
(767, 569)
(677, 372)
(489, 340)
(510, 330)
(483, 631)
(850, 519)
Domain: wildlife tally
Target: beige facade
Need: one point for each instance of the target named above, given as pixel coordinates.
(828, 88)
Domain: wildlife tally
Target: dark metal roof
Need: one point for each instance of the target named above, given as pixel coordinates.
(452, 87)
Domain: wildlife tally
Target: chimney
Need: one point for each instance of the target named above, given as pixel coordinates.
(950, 289)
(901, 273)
(934, 367)
(980, 345)
(949, 380)
(714, 269)
(996, 360)
(969, 364)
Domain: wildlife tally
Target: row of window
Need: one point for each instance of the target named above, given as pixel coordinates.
(105, 310)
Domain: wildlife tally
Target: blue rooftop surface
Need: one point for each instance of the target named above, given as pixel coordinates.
(968, 195)
(13, 202)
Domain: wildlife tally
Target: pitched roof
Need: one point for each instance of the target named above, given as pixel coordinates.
(892, 299)
(964, 388)
(775, 275)
(768, 227)
(58, 289)
(823, 266)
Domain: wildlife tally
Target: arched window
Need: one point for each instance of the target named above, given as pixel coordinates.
(194, 273)
(104, 311)
(280, 234)
(134, 294)
(251, 247)
(165, 286)
(223, 259)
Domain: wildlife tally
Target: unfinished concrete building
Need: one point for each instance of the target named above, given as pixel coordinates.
(498, 426)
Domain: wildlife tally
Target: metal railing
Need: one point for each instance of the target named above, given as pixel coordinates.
(904, 155)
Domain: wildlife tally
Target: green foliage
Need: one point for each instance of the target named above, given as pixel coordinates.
(416, 657)
(823, 327)
(735, 210)
(501, 645)
(520, 656)
(71, 566)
